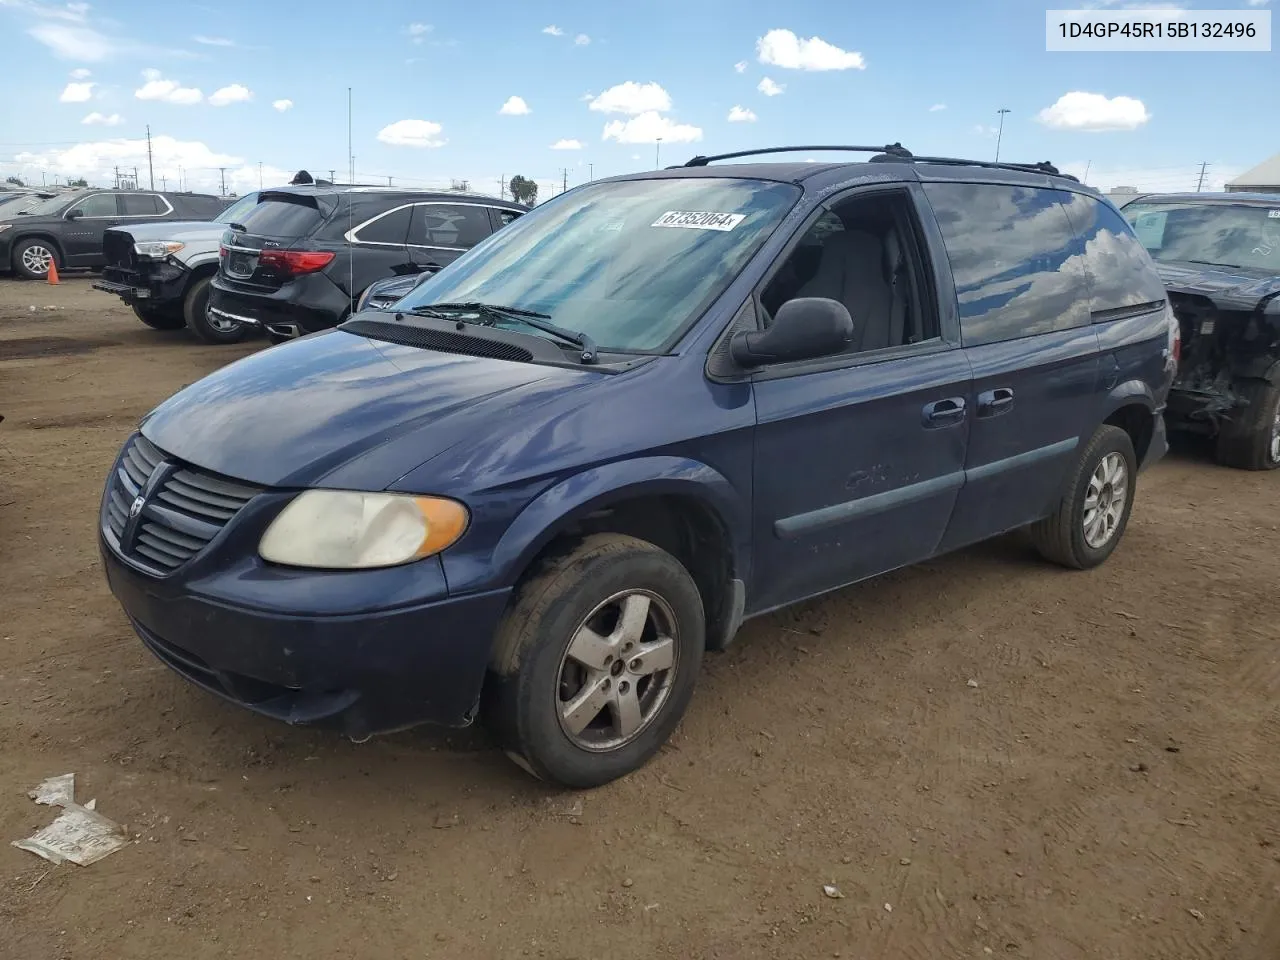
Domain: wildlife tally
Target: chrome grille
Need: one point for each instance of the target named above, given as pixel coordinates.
(184, 508)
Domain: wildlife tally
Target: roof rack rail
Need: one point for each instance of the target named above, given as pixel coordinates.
(1044, 166)
(895, 151)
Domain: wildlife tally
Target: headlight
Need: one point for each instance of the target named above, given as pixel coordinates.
(157, 249)
(346, 530)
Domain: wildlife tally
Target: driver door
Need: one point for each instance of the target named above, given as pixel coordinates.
(83, 235)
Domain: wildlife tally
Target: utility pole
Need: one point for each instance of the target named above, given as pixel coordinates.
(564, 183)
(657, 154)
(1000, 131)
(259, 174)
(591, 172)
(222, 176)
(135, 178)
(164, 182)
(151, 170)
(180, 179)
(388, 180)
(502, 187)
(351, 158)
(117, 180)
(1200, 182)
(332, 171)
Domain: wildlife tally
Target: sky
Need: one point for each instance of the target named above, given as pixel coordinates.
(563, 92)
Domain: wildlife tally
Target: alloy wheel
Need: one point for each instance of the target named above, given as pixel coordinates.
(1105, 500)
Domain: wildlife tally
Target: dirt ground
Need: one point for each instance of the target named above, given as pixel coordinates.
(1107, 787)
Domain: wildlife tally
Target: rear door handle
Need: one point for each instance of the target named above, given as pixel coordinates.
(992, 403)
(942, 413)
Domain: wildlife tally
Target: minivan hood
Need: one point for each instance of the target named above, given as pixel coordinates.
(1229, 288)
(184, 231)
(339, 410)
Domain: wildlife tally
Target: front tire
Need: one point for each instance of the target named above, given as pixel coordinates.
(1252, 440)
(31, 259)
(195, 309)
(596, 661)
(159, 320)
(1091, 518)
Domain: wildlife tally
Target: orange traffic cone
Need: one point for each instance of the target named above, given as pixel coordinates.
(53, 271)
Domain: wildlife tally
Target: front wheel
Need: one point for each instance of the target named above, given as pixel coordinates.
(596, 661)
(209, 328)
(31, 259)
(159, 319)
(1252, 440)
(1091, 518)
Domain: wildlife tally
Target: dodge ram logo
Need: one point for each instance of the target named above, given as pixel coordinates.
(136, 507)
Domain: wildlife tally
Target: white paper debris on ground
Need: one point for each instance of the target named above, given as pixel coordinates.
(79, 835)
(56, 791)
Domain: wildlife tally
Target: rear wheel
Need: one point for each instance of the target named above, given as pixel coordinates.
(210, 329)
(31, 259)
(596, 661)
(1252, 440)
(1092, 516)
(159, 319)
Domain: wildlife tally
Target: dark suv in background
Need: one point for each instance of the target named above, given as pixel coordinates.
(656, 406)
(67, 229)
(299, 260)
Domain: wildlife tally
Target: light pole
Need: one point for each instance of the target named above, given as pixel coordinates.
(1000, 131)
(657, 154)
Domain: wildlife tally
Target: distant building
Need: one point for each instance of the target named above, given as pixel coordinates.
(1264, 178)
(1122, 191)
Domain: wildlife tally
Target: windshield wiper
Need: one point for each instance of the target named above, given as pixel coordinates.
(493, 312)
(1214, 263)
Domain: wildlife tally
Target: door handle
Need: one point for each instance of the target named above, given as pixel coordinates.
(942, 413)
(992, 403)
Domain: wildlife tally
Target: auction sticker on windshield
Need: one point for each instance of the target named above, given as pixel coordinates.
(699, 220)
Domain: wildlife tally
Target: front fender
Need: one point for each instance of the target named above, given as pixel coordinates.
(570, 500)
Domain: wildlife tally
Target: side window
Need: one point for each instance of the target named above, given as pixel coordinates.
(98, 205)
(1015, 260)
(390, 228)
(446, 225)
(863, 252)
(1119, 268)
(506, 216)
(141, 205)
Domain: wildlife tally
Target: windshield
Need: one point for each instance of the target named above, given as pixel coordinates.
(51, 207)
(233, 213)
(629, 263)
(1230, 234)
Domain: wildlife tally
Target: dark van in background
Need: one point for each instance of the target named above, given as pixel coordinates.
(300, 259)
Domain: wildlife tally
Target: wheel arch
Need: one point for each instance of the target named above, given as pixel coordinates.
(36, 234)
(683, 506)
(1131, 406)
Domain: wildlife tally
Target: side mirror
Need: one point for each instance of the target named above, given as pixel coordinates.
(803, 329)
(75, 213)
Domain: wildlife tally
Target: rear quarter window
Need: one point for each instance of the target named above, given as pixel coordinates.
(1120, 271)
(141, 205)
(447, 225)
(1016, 262)
(276, 217)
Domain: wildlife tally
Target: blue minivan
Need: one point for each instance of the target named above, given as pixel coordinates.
(558, 471)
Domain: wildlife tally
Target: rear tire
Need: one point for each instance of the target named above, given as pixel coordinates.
(1088, 524)
(195, 309)
(159, 320)
(31, 259)
(569, 698)
(1252, 440)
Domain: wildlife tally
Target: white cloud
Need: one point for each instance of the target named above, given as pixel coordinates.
(166, 91)
(99, 119)
(1256, 3)
(937, 106)
(214, 41)
(282, 105)
(74, 42)
(553, 31)
(412, 133)
(650, 127)
(232, 93)
(769, 88)
(1093, 112)
(418, 31)
(632, 98)
(741, 115)
(515, 107)
(983, 130)
(581, 40)
(77, 92)
(81, 74)
(567, 145)
(740, 66)
(96, 160)
(782, 48)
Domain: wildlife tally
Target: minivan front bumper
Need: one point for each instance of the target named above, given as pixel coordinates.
(362, 673)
